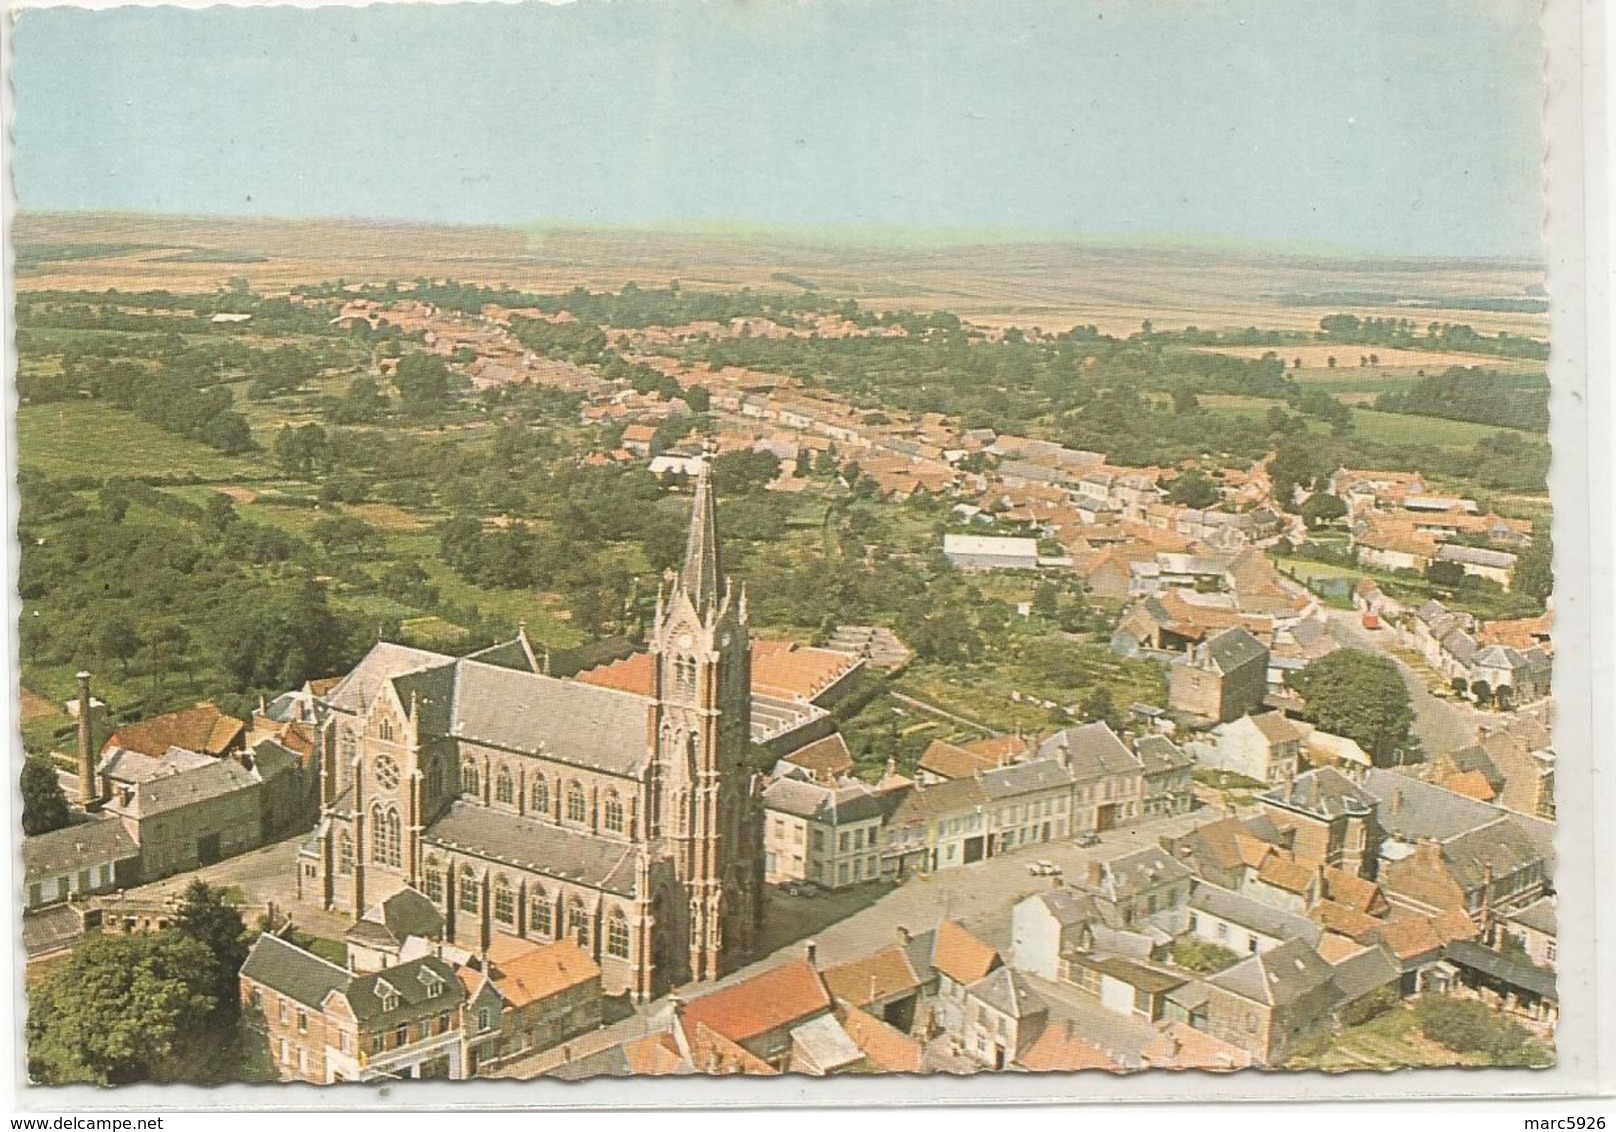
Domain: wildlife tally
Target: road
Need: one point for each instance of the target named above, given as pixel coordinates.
(847, 924)
(1442, 726)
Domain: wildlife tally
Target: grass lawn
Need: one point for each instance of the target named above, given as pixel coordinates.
(1401, 428)
(88, 438)
(1391, 1041)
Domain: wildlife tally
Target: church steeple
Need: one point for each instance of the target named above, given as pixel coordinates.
(703, 573)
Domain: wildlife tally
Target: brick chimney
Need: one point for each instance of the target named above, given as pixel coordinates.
(903, 934)
(811, 951)
(88, 794)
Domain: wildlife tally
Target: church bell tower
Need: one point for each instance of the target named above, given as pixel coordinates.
(704, 799)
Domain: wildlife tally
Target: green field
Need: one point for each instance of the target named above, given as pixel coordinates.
(89, 438)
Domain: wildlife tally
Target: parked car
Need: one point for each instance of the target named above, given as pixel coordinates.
(1044, 869)
(804, 888)
(1088, 840)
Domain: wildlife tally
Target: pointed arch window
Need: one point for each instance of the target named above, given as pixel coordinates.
(470, 781)
(345, 854)
(393, 840)
(384, 729)
(577, 807)
(505, 786)
(540, 914)
(470, 900)
(378, 834)
(617, 934)
(684, 675)
(612, 812)
(578, 922)
(504, 902)
(540, 795)
(432, 880)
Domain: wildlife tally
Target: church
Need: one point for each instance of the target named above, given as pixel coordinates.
(525, 804)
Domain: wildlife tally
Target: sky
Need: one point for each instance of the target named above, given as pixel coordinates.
(1374, 126)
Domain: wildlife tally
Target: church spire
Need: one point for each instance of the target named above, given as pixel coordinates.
(702, 571)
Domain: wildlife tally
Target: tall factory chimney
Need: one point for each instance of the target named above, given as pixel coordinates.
(88, 794)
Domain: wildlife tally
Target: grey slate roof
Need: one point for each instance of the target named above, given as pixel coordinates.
(403, 914)
(582, 724)
(1008, 992)
(1367, 971)
(1161, 756)
(1475, 556)
(1410, 809)
(1540, 915)
(1092, 751)
(538, 846)
(413, 982)
(1264, 919)
(178, 781)
(1500, 845)
(1277, 977)
(1141, 871)
(1025, 778)
(514, 654)
(831, 805)
(1069, 906)
(76, 847)
(1235, 648)
(1495, 964)
(383, 662)
(289, 970)
(1325, 792)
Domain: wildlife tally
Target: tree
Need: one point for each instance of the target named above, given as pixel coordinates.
(1195, 490)
(1483, 692)
(219, 511)
(1321, 508)
(124, 1008)
(205, 917)
(425, 384)
(1359, 695)
(117, 640)
(1445, 575)
(1534, 568)
(44, 803)
(741, 473)
(1046, 600)
(1098, 705)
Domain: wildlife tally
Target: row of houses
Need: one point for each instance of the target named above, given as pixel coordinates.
(1454, 645)
(968, 802)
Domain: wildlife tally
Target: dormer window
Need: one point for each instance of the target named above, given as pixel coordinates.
(388, 994)
(432, 981)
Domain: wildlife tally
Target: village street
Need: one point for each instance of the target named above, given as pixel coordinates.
(846, 924)
(1442, 726)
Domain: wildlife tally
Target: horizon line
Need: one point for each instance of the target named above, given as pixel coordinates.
(842, 236)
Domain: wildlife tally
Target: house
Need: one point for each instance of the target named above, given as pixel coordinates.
(760, 1013)
(1503, 981)
(204, 729)
(828, 834)
(883, 984)
(1167, 778)
(640, 439)
(1227, 852)
(1444, 851)
(1366, 972)
(942, 761)
(1272, 1002)
(886, 1049)
(1477, 562)
(1047, 924)
(1027, 803)
(184, 809)
(1329, 818)
(1222, 679)
(1061, 1049)
(1130, 987)
(979, 553)
(1181, 1046)
(1147, 885)
(1107, 778)
(935, 827)
(327, 1024)
(377, 939)
(824, 760)
(1002, 1019)
(1534, 928)
(1264, 748)
(950, 959)
(78, 860)
(547, 993)
(1243, 925)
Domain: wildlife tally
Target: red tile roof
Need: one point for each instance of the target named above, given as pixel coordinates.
(1060, 1050)
(203, 729)
(887, 1050)
(779, 997)
(871, 978)
(960, 955)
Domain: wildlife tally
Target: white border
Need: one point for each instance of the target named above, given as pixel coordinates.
(1579, 282)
